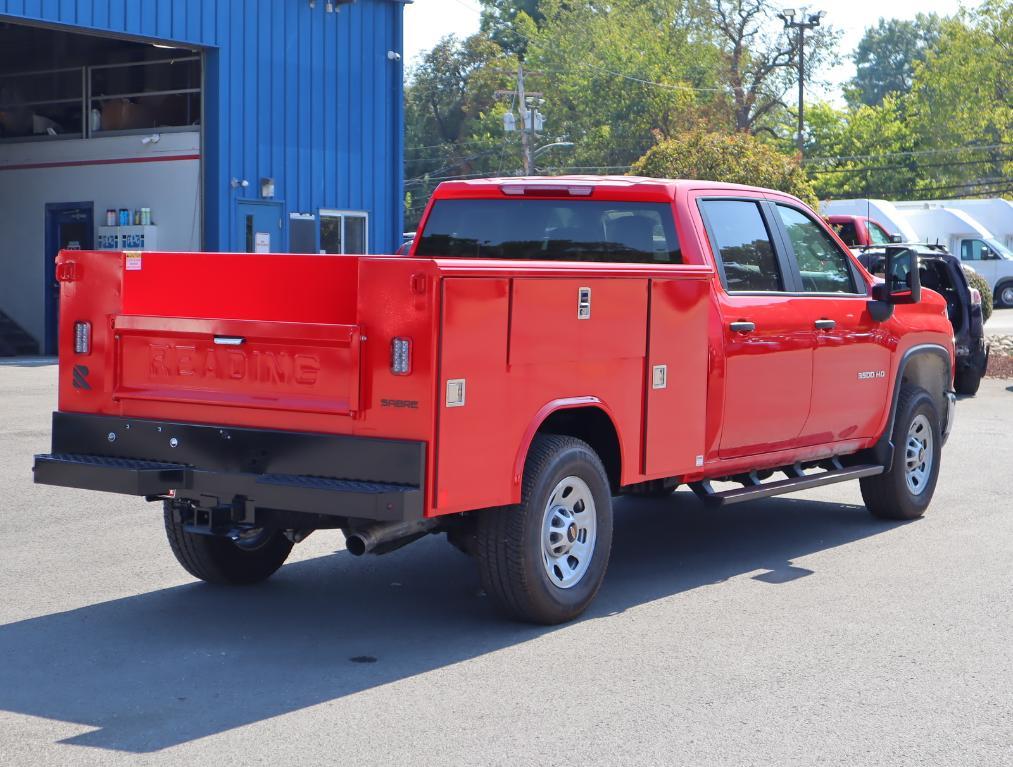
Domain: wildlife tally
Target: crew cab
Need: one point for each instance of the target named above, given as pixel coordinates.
(545, 345)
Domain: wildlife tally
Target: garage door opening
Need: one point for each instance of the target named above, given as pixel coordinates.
(100, 148)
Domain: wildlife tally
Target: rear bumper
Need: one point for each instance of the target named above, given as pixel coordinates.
(325, 474)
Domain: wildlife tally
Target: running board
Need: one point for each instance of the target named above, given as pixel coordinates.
(799, 481)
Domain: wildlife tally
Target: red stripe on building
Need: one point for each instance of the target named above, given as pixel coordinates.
(80, 163)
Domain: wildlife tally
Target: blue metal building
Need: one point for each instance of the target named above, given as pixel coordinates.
(307, 96)
(300, 119)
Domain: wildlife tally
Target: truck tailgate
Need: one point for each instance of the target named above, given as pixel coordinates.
(292, 366)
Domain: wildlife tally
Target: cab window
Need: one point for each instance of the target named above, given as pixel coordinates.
(743, 245)
(551, 230)
(847, 232)
(822, 264)
(877, 234)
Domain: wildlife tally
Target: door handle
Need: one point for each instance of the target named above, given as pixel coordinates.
(743, 326)
(825, 324)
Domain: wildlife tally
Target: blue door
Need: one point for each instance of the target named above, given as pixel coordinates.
(69, 226)
(259, 228)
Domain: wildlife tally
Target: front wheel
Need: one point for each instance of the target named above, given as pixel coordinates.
(252, 558)
(544, 560)
(905, 489)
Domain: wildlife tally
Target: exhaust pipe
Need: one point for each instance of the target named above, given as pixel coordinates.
(382, 537)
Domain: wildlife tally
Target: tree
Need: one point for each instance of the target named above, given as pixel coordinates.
(508, 22)
(865, 151)
(614, 76)
(453, 118)
(760, 65)
(886, 56)
(962, 98)
(736, 158)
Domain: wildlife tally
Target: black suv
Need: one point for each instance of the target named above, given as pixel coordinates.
(942, 272)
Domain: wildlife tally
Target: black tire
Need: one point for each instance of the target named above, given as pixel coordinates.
(218, 560)
(967, 381)
(510, 540)
(997, 296)
(887, 495)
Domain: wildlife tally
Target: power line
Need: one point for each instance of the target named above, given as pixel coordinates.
(868, 168)
(950, 150)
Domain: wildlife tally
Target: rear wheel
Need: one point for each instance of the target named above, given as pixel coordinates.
(905, 489)
(252, 557)
(967, 381)
(544, 560)
(1004, 295)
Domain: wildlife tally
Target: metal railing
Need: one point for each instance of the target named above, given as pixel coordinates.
(72, 102)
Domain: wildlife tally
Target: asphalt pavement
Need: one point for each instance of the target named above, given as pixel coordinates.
(1000, 323)
(791, 631)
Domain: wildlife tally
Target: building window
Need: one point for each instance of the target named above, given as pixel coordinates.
(145, 96)
(344, 231)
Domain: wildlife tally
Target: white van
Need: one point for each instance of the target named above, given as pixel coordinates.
(967, 238)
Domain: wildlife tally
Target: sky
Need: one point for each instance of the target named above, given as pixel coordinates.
(426, 21)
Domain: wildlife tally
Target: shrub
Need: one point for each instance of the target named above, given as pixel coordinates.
(975, 280)
(735, 158)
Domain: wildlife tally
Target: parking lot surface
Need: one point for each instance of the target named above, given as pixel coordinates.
(790, 631)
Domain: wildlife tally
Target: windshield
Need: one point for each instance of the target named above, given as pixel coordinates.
(1000, 249)
(550, 229)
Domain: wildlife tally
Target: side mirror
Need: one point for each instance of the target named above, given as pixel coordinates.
(902, 284)
(896, 238)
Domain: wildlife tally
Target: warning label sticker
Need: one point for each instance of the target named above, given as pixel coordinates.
(133, 262)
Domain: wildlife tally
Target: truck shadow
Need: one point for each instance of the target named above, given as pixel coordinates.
(164, 668)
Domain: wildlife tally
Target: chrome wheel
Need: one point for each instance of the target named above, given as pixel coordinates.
(569, 531)
(918, 455)
(1006, 297)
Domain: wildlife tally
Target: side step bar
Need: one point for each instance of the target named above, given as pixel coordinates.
(797, 480)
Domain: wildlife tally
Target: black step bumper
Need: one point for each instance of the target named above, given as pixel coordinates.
(214, 466)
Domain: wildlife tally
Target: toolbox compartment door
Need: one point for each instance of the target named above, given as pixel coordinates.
(290, 366)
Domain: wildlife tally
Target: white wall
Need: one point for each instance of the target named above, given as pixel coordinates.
(171, 188)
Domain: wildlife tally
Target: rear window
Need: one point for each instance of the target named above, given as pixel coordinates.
(551, 230)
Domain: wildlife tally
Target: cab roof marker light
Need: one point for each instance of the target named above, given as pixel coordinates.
(546, 190)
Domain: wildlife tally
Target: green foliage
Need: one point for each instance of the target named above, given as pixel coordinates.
(510, 22)
(453, 118)
(975, 280)
(886, 56)
(736, 158)
(951, 135)
(614, 75)
(963, 95)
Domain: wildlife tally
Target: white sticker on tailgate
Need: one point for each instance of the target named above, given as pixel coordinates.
(133, 262)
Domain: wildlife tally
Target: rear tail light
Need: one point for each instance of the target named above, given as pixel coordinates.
(975, 297)
(401, 356)
(82, 337)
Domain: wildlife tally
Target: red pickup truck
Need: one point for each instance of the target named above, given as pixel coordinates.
(546, 345)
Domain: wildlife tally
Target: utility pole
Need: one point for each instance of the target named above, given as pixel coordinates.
(525, 120)
(788, 16)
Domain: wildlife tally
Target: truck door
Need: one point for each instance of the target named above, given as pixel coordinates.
(767, 341)
(851, 357)
(976, 254)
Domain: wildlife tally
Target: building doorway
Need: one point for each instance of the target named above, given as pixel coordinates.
(69, 226)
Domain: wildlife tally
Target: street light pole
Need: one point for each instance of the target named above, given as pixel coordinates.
(525, 117)
(813, 20)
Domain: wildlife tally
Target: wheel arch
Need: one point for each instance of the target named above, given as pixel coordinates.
(929, 367)
(585, 418)
(1001, 284)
